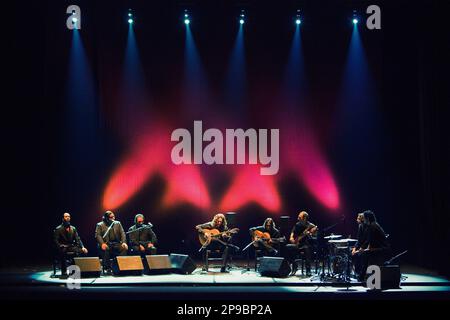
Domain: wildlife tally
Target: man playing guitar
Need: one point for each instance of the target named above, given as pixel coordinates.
(267, 237)
(300, 237)
(215, 235)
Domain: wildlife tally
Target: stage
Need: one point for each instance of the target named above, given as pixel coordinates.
(310, 132)
(237, 284)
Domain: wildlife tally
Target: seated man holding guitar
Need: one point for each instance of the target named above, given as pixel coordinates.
(267, 237)
(300, 239)
(215, 235)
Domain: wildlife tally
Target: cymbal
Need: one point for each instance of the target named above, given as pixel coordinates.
(333, 236)
(343, 240)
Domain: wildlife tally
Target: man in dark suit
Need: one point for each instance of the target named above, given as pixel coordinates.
(110, 238)
(361, 245)
(141, 238)
(67, 242)
(378, 249)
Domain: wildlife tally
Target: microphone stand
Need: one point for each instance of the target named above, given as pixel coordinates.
(325, 254)
(109, 228)
(140, 228)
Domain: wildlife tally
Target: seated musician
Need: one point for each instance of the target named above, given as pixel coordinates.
(378, 249)
(141, 238)
(262, 242)
(222, 243)
(361, 244)
(111, 239)
(300, 240)
(67, 242)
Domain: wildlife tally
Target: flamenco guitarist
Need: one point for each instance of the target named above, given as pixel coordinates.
(300, 240)
(266, 237)
(218, 225)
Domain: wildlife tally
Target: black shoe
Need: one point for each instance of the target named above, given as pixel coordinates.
(223, 269)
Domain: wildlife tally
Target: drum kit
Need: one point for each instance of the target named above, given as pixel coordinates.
(338, 256)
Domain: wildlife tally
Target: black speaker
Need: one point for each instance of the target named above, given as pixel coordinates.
(158, 264)
(182, 264)
(89, 266)
(274, 267)
(128, 265)
(390, 277)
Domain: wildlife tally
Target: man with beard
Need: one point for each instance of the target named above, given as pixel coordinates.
(111, 239)
(378, 249)
(67, 242)
(300, 241)
(142, 239)
(222, 243)
(262, 242)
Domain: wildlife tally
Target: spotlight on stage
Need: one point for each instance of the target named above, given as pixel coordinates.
(130, 17)
(298, 21)
(187, 19)
(242, 17)
(355, 18)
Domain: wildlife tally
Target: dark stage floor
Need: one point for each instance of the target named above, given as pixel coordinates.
(239, 283)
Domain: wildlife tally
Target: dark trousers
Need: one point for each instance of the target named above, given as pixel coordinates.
(66, 255)
(292, 251)
(226, 249)
(265, 248)
(114, 250)
(357, 263)
(148, 251)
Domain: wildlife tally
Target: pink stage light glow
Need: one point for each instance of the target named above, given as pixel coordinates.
(249, 186)
(305, 158)
(150, 154)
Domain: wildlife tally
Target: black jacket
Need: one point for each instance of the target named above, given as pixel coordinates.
(376, 238)
(62, 237)
(362, 236)
(143, 236)
(116, 234)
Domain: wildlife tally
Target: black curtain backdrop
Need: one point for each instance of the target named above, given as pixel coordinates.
(408, 59)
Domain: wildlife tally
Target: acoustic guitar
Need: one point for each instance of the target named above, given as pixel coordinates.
(307, 234)
(260, 235)
(207, 236)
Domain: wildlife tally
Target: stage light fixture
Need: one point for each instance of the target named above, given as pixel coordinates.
(242, 17)
(355, 18)
(297, 18)
(130, 17)
(187, 19)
